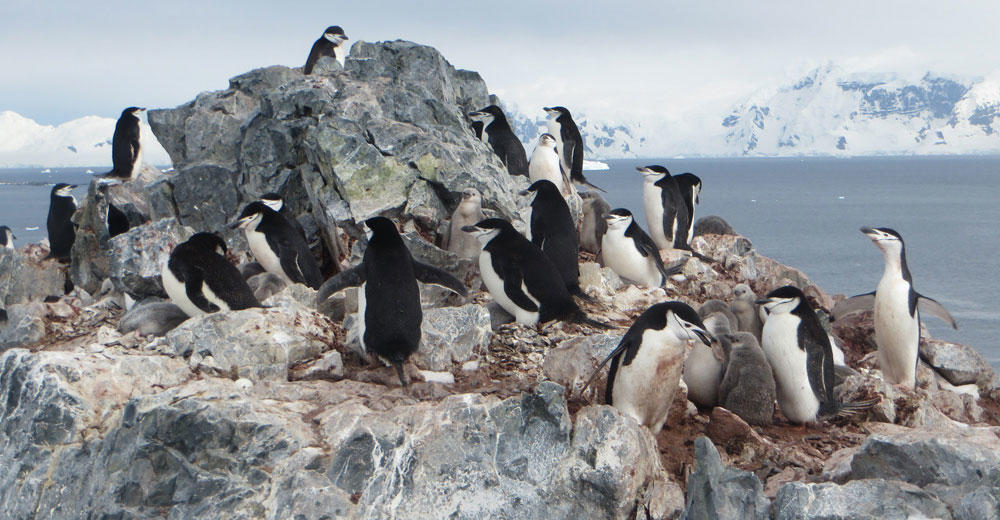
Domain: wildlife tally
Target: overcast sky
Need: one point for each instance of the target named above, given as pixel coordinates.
(66, 59)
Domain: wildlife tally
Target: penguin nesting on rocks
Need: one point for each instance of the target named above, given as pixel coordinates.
(521, 278)
(747, 388)
(331, 43)
(631, 253)
(897, 310)
(800, 355)
(389, 298)
(646, 366)
(126, 150)
(594, 225)
(62, 231)
(199, 279)
(497, 133)
(554, 232)
(569, 143)
(278, 246)
(6, 238)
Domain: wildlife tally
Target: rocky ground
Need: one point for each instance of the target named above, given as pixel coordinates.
(271, 413)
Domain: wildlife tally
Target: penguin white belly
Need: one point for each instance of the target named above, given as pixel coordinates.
(544, 165)
(645, 388)
(362, 305)
(177, 292)
(897, 333)
(340, 54)
(623, 258)
(494, 284)
(137, 164)
(788, 362)
(653, 205)
(702, 375)
(527, 218)
(263, 253)
(213, 298)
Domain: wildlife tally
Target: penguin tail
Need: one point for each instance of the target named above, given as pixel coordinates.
(700, 256)
(580, 317)
(578, 292)
(398, 365)
(853, 408)
(585, 182)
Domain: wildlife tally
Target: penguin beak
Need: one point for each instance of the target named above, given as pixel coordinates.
(143, 109)
(703, 336)
(525, 192)
(867, 230)
(470, 229)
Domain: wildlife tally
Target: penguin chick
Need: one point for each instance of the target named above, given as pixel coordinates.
(744, 307)
(747, 388)
(468, 212)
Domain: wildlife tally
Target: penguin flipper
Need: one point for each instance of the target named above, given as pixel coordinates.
(931, 306)
(352, 277)
(432, 275)
(858, 303)
(622, 345)
(513, 283)
(193, 288)
(819, 360)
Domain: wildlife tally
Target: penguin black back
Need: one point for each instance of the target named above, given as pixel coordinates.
(554, 232)
(200, 262)
(690, 187)
(813, 339)
(125, 146)
(284, 241)
(275, 202)
(674, 208)
(117, 221)
(62, 232)
(501, 137)
(572, 144)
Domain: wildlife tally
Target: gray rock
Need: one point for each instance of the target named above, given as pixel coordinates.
(875, 498)
(712, 224)
(206, 197)
(258, 344)
(573, 361)
(452, 335)
(26, 277)
(715, 491)
(138, 257)
(959, 364)
(25, 325)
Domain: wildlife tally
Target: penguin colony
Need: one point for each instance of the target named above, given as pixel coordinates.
(745, 355)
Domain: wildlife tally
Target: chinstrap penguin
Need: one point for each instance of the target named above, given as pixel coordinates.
(747, 388)
(646, 366)
(631, 253)
(497, 132)
(331, 43)
(544, 165)
(62, 231)
(897, 307)
(521, 279)
(690, 187)
(275, 202)
(126, 150)
(468, 212)
(594, 225)
(389, 298)
(554, 232)
(666, 213)
(198, 278)
(278, 246)
(6, 238)
(569, 143)
(799, 352)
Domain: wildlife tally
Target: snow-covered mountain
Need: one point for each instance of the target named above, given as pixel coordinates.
(831, 112)
(81, 142)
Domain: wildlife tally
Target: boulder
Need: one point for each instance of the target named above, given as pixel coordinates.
(573, 361)
(869, 498)
(452, 335)
(138, 257)
(959, 364)
(715, 491)
(25, 325)
(25, 276)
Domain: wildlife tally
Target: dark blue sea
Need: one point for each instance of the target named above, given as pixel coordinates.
(803, 212)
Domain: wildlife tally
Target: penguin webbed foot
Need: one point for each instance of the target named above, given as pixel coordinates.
(399, 372)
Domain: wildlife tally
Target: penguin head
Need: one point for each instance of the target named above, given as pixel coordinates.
(653, 172)
(335, 34)
(886, 239)
(472, 196)
(382, 229)
(487, 115)
(487, 229)
(741, 340)
(782, 300)
(694, 181)
(63, 190)
(619, 218)
(546, 140)
(543, 188)
(252, 215)
(555, 112)
(7, 237)
(744, 292)
(132, 111)
(683, 322)
(272, 200)
(208, 242)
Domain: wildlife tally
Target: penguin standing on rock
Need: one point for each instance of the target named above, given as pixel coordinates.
(553, 231)
(389, 298)
(646, 366)
(630, 253)
(690, 187)
(6, 238)
(521, 278)
(666, 212)
(897, 310)
(62, 232)
(800, 355)
(569, 142)
(278, 246)
(126, 150)
(497, 132)
(199, 279)
(330, 44)
(545, 165)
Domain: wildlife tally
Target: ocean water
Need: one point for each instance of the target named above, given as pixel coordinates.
(803, 212)
(806, 212)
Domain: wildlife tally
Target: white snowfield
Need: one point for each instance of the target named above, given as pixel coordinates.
(81, 142)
